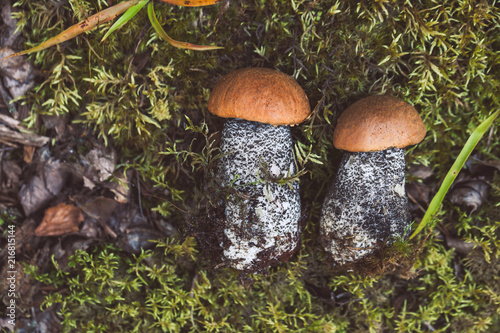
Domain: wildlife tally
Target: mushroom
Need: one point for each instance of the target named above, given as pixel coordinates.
(262, 215)
(366, 207)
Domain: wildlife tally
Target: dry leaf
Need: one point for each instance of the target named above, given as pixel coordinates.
(55, 176)
(13, 173)
(100, 208)
(34, 195)
(28, 153)
(121, 192)
(88, 183)
(40, 189)
(17, 73)
(121, 187)
(139, 238)
(459, 245)
(59, 220)
(103, 162)
(420, 171)
(469, 192)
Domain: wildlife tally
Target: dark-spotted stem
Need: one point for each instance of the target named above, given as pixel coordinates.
(366, 206)
(261, 215)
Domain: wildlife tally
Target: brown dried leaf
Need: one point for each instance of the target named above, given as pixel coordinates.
(103, 162)
(60, 220)
(469, 192)
(17, 73)
(493, 164)
(40, 189)
(121, 187)
(12, 171)
(28, 153)
(420, 171)
(459, 245)
(34, 195)
(100, 208)
(121, 192)
(55, 176)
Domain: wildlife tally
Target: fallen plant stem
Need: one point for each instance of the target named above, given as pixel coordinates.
(27, 139)
(81, 27)
(130, 9)
(162, 34)
(192, 3)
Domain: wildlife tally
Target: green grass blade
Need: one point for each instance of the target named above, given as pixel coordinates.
(454, 170)
(127, 16)
(182, 45)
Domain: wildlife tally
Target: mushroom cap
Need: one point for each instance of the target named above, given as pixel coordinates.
(260, 94)
(376, 123)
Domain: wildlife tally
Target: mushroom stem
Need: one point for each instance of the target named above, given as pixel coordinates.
(366, 207)
(261, 215)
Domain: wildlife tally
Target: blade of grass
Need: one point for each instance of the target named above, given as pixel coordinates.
(182, 45)
(83, 26)
(192, 3)
(453, 172)
(127, 16)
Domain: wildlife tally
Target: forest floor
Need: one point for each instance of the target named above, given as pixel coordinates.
(108, 152)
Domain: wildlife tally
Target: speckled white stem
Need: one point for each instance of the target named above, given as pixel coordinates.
(367, 206)
(262, 216)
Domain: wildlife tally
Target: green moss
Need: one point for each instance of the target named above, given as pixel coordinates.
(149, 100)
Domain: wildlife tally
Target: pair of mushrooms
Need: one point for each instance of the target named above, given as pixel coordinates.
(365, 206)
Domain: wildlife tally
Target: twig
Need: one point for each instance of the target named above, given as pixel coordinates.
(412, 199)
(27, 139)
(139, 193)
(7, 99)
(139, 40)
(9, 144)
(1, 158)
(11, 122)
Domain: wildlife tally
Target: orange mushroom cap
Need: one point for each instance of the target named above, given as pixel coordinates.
(376, 123)
(260, 94)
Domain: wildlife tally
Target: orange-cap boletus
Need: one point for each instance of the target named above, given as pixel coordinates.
(261, 215)
(366, 207)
